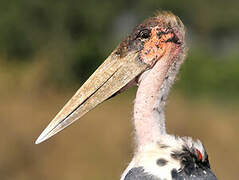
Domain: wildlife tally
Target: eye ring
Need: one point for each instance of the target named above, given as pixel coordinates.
(144, 33)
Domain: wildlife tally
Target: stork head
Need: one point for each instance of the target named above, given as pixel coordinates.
(175, 158)
(157, 39)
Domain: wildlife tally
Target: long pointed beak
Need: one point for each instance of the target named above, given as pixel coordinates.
(114, 74)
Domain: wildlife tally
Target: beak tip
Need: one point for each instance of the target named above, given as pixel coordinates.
(37, 142)
(43, 136)
(40, 139)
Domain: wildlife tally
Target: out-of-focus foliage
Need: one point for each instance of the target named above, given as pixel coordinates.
(75, 36)
(205, 73)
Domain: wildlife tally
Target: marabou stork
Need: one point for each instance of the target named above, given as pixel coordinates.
(149, 57)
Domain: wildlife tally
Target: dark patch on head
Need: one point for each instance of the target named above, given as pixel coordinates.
(174, 39)
(192, 166)
(160, 33)
(138, 173)
(161, 162)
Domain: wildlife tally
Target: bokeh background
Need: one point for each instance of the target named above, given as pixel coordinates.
(49, 48)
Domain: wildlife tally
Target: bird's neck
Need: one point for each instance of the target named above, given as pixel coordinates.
(149, 107)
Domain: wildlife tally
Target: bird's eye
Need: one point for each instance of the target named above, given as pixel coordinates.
(144, 33)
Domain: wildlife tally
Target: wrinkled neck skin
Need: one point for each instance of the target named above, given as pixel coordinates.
(149, 107)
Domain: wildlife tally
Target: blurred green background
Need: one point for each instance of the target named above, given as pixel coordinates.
(49, 48)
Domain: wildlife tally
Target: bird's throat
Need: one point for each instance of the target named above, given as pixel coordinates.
(147, 125)
(149, 107)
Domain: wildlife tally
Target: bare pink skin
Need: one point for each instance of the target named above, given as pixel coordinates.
(149, 125)
(147, 129)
